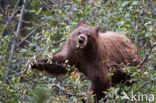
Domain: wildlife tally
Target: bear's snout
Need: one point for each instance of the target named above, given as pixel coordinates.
(82, 41)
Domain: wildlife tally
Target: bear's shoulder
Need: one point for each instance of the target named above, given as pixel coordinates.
(111, 35)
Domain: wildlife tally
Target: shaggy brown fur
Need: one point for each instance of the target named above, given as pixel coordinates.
(94, 53)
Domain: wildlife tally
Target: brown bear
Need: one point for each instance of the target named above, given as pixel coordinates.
(93, 53)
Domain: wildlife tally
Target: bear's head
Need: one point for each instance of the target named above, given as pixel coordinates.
(85, 35)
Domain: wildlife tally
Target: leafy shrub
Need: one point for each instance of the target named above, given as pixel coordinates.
(46, 24)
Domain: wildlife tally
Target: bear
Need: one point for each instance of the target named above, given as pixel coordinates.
(93, 53)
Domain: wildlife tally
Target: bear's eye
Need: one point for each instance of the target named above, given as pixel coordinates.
(78, 33)
(88, 36)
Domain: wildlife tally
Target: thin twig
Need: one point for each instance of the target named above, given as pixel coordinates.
(26, 37)
(147, 55)
(11, 17)
(143, 85)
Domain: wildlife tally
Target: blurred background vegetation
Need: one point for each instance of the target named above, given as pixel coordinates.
(34, 29)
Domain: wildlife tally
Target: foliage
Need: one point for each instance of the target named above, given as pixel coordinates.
(46, 24)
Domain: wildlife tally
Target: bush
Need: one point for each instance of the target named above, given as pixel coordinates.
(33, 29)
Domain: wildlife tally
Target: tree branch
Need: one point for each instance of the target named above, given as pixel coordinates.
(13, 45)
(147, 55)
(23, 39)
(12, 15)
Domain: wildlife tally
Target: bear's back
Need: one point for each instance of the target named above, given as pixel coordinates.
(118, 48)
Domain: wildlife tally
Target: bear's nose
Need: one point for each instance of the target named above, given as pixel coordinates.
(81, 39)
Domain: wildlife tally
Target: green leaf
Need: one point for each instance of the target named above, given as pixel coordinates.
(125, 3)
(38, 11)
(23, 50)
(135, 2)
(18, 79)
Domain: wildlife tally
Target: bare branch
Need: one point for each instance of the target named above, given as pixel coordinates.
(17, 31)
(12, 15)
(147, 55)
(23, 39)
(143, 85)
(14, 11)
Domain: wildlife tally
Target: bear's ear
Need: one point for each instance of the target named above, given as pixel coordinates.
(80, 23)
(97, 29)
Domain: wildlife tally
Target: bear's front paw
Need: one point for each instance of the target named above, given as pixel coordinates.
(31, 63)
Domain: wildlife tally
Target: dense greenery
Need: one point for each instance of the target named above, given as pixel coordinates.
(34, 29)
